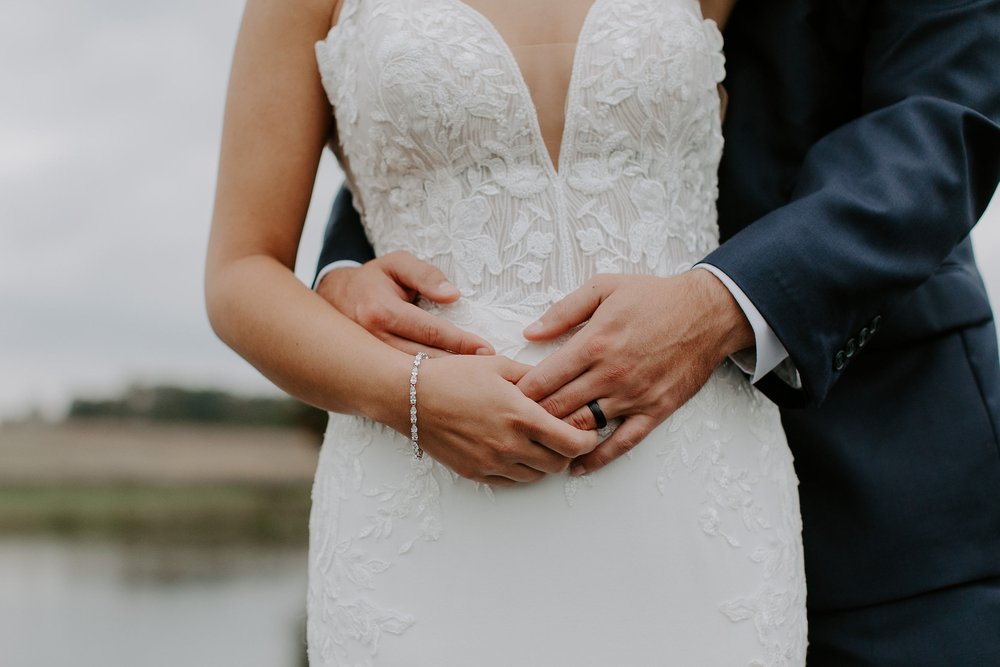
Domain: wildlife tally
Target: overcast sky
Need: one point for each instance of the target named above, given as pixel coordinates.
(109, 136)
(109, 133)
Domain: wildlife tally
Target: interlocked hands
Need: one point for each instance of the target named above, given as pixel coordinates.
(648, 345)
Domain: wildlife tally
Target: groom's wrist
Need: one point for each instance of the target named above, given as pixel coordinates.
(727, 320)
(767, 352)
(331, 267)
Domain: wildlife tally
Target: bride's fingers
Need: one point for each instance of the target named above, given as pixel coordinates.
(510, 370)
(629, 433)
(555, 434)
(514, 474)
(540, 456)
(543, 459)
(522, 473)
(496, 480)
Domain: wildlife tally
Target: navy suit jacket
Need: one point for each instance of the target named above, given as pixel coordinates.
(862, 146)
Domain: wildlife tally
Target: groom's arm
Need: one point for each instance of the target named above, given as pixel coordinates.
(877, 207)
(344, 240)
(882, 201)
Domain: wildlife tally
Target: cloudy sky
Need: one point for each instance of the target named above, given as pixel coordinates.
(109, 133)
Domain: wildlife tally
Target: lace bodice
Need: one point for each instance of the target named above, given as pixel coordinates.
(440, 140)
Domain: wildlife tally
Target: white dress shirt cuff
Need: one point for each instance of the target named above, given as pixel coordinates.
(340, 263)
(768, 352)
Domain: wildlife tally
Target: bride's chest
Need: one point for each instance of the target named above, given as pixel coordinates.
(455, 71)
(444, 144)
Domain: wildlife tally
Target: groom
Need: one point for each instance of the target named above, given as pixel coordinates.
(862, 145)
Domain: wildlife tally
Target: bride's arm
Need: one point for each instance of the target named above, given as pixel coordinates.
(277, 121)
(718, 10)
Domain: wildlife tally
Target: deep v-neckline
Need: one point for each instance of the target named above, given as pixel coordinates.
(554, 171)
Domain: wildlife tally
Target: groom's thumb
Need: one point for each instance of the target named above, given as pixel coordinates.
(421, 277)
(576, 308)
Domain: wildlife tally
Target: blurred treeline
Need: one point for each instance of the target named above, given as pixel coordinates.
(165, 403)
(164, 464)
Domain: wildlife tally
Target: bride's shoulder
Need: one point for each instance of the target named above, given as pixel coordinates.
(278, 24)
(314, 15)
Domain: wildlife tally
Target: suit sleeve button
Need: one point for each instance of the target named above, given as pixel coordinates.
(840, 361)
(876, 324)
(864, 336)
(852, 348)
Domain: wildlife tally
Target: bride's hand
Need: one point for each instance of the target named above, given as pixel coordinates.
(379, 296)
(472, 418)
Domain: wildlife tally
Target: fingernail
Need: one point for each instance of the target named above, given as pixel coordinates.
(533, 328)
(577, 470)
(446, 286)
(485, 351)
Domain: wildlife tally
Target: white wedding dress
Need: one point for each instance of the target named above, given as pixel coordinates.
(687, 552)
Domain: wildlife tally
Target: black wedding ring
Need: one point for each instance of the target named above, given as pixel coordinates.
(599, 417)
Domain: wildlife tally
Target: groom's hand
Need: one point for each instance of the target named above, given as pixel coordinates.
(379, 296)
(650, 345)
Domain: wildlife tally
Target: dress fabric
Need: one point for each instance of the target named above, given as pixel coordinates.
(686, 552)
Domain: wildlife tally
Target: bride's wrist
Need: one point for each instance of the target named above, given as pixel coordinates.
(388, 396)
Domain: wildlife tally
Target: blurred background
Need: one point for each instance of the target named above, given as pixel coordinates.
(154, 489)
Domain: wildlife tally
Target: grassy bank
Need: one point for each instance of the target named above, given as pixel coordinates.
(220, 513)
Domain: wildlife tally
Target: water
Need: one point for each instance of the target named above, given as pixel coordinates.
(90, 605)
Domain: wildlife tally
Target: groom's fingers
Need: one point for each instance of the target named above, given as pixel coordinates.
(409, 347)
(411, 322)
(629, 433)
(559, 368)
(578, 392)
(575, 308)
(419, 276)
(378, 296)
(583, 418)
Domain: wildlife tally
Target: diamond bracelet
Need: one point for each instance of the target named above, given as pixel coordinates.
(414, 439)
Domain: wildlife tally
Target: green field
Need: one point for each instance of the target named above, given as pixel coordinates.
(190, 514)
(158, 483)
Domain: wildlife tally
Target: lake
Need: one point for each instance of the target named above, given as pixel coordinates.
(117, 605)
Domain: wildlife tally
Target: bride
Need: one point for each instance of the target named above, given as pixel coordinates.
(446, 528)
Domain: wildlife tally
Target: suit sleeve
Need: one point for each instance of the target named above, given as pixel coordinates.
(345, 237)
(880, 202)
